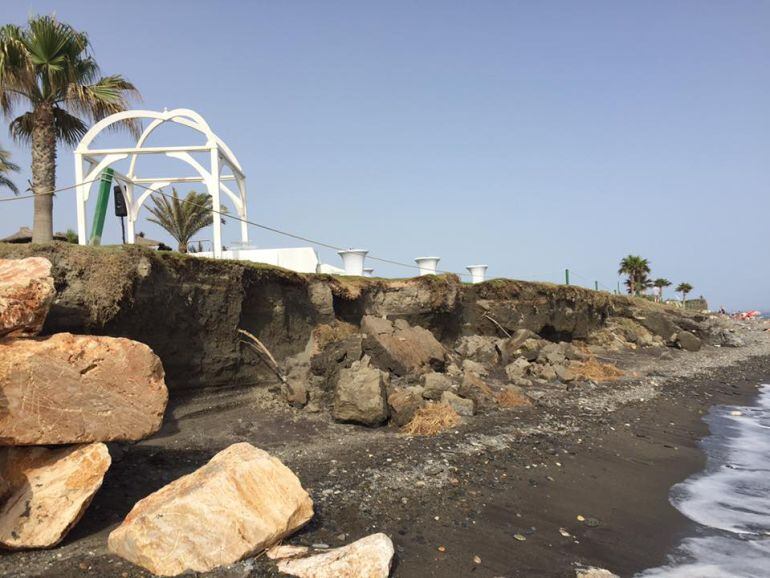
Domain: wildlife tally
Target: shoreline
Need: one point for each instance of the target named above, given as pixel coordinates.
(469, 491)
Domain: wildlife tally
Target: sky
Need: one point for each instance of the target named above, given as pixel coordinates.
(531, 136)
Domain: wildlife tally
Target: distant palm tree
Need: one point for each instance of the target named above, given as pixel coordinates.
(636, 268)
(48, 67)
(6, 166)
(684, 289)
(661, 283)
(182, 218)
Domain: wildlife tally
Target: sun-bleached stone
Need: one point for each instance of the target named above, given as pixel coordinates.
(241, 502)
(369, 557)
(47, 491)
(69, 388)
(26, 294)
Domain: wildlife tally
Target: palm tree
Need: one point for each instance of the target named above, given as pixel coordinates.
(48, 68)
(661, 283)
(684, 289)
(6, 166)
(182, 218)
(637, 269)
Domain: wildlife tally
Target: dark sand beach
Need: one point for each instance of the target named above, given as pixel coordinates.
(454, 503)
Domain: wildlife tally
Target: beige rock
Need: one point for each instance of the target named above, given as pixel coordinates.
(401, 348)
(75, 389)
(48, 491)
(360, 394)
(26, 294)
(368, 557)
(241, 502)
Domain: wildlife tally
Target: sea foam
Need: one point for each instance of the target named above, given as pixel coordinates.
(730, 499)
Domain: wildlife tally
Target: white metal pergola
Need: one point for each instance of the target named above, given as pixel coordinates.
(90, 162)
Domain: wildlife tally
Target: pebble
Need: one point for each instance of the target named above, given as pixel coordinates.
(477, 560)
(520, 537)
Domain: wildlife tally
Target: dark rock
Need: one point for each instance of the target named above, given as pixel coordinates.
(687, 341)
(401, 348)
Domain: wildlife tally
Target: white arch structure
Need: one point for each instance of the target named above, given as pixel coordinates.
(90, 162)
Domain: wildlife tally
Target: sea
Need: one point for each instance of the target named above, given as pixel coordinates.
(729, 500)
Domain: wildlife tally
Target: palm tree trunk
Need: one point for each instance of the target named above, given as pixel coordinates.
(43, 172)
(183, 247)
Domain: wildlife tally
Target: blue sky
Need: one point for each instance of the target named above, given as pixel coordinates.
(532, 136)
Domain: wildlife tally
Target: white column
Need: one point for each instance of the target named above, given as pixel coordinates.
(353, 261)
(130, 227)
(244, 214)
(80, 194)
(213, 186)
(369, 272)
(427, 265)
(477, 273)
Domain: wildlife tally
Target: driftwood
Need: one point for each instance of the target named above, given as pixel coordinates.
(500, 327)
(259, 347)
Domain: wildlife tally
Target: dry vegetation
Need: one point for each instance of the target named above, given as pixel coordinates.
(431, 420)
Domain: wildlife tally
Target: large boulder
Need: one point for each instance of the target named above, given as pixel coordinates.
(401, 348)
(68, 389)
(26, 294)
(658, 323)
(687, 341)
(240, 503)
(368, 557)
(360, 395)
(47, 491)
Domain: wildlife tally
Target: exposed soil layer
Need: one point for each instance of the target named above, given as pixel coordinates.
(188, 310)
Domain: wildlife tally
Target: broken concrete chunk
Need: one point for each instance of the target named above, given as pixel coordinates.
(401, 348)
(26, 294)
(473, 387)
(463, 407)
(517, 368)
(479, 348)
(404, 403)
(474, 367)
(564, 373)
(360, 395)
(242, 501)
(47, 491)
(369, 557)
(435, 384)
(69, 388)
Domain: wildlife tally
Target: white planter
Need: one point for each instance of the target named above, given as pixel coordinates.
(427, 265)
(353, 261)
(369, 272)
(477, 273)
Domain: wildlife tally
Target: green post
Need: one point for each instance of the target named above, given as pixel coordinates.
(101, 207)
(596, 285)
(566, 276)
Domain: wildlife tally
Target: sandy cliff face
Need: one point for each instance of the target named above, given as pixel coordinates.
(189, 310)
